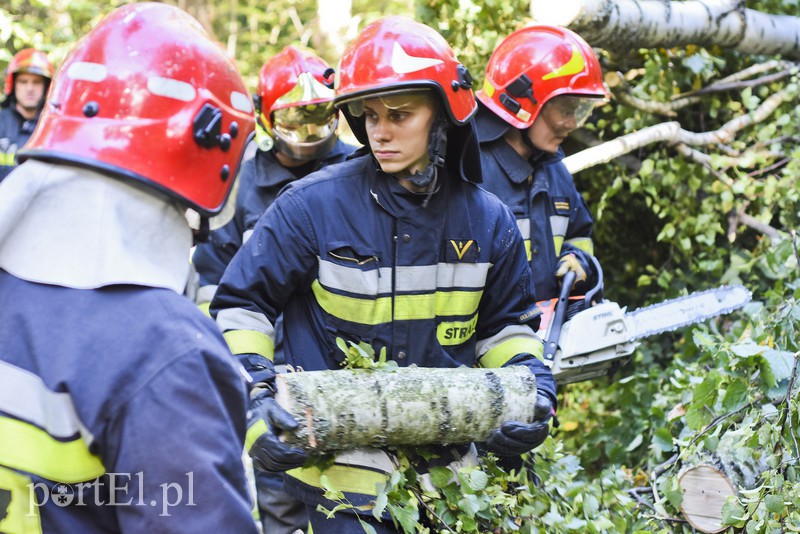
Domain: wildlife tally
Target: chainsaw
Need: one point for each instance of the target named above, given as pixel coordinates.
(589, 337)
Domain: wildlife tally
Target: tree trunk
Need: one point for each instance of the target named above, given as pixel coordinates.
(622, 25)
(344, 409)
(708, 479)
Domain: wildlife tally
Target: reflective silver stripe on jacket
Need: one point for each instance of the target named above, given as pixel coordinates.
(408, 278)
(25, 396)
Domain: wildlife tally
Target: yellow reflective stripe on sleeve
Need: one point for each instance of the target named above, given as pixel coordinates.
(250, 342)
(7, 160)
(343, 478)
(205, 308)
(255, 431)
(528, 249)
(583, 243)
(28, 448)
(21, 516)
(558, 240)
(455, 332)
(406, 307)
(501, 354)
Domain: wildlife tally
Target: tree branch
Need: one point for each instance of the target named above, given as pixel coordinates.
(672, 132)
(624, 25)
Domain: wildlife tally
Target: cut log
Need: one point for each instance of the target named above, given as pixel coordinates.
(710, 478)
(345, 409)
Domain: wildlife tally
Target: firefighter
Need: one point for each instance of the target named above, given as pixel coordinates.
(296, 134)
(541, 83)
(398, 248)
(121, 409)
(27, 81)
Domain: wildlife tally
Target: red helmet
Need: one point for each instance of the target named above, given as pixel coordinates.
(397, 54)
(296, 104)
(148, 96)
(30, 61)
(535, 64)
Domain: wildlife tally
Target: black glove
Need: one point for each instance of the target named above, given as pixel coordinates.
(269, 453)
(514, 438)
(267, 419)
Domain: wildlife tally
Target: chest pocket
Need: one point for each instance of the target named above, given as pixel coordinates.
(355, 293)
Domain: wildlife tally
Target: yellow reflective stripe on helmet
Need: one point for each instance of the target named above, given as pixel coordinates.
(7, 159)
(583, 243)
(456, 332)
(372, 311)
(250, 342)
(343, 478)
(27, 448)
(575, 65)
(256, 430)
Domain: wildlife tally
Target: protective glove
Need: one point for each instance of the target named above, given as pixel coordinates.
(268, 452)
(267, 419)
(571, 262)
(514, 438)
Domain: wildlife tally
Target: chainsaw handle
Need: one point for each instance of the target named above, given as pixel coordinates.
(595, 294)
(551, 344)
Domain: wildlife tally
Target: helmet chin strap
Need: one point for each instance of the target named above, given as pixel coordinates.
(437, 149)
(536, 153)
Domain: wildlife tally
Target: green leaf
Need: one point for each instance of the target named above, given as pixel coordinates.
(471, 504)
(380, 504)
(407, 516)
(736, 395)
(746, 349)
(732, 513)
(330, 491)
(780, 363)
(662, 439)
(477, 480)
(440, 476)
(342, 345)
(774, 503)
(634, 444)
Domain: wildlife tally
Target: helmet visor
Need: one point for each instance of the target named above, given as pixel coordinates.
(569, 112)
(305, 124)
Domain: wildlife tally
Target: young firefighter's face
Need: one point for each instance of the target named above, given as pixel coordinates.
(398, 128)
(559, 116)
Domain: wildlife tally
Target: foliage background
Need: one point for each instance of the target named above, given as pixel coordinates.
(665, 225)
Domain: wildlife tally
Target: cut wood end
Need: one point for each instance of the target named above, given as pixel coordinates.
(704, 492)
